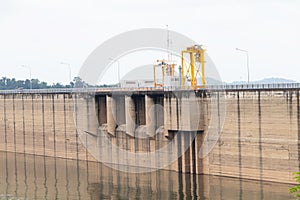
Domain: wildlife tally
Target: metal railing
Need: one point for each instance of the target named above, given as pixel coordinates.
(255, 86)
(170, 88)
(242, 87)
(45, 91)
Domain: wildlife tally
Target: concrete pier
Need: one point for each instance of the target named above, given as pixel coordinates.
(130, 116)
(111, 113)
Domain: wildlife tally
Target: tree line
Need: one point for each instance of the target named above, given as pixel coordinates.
(12, 84)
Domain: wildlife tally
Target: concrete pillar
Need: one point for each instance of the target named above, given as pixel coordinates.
(186, 160)
(2, 123)
(190, 115)
(102, 110)
(159, 111)
(150, 116)
(120, 110)
(111, 114)
(203, 122)
(198, 162)
(130, 116)
(184, 117)
(166, 116)
(171, 112)
(140, 109)
(174, 166)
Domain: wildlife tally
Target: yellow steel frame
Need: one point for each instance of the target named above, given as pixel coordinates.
(154, 74)
(191, 73)
(163, 68)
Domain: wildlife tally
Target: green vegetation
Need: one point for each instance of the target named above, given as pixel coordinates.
(12, 84)
(296, 189)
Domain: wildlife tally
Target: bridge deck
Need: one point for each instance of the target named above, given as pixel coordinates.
(107, 90)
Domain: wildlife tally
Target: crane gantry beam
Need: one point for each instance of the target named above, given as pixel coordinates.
(196, 55)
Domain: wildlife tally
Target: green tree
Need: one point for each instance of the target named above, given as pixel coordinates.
(79, 83)
(43, 85)
(35, 83)
(27, 84)
(296, 189)
(3, 83)
(19, 84)
(57, 85)
(12, 84)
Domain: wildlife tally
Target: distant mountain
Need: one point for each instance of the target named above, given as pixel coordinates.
(266, 81)
(275, 80)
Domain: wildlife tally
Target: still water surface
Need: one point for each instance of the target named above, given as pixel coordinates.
(25, 176)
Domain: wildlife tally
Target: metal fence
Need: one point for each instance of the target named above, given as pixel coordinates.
(255, 86)
(242, 87)
(171, 88)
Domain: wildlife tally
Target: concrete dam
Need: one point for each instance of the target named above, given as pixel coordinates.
(256, 128)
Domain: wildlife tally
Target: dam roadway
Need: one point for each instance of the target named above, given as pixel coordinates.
(257, 139)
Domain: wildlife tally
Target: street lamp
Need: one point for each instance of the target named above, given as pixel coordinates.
(69, 67)
(119, 84)
(245, 51)
(27, 67)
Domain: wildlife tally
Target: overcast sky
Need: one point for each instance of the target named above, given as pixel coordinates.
(41, 34)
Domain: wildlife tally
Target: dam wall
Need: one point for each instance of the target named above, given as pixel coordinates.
(259, 138)
(40, 124)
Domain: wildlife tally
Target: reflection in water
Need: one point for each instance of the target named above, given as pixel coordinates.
(37, 177)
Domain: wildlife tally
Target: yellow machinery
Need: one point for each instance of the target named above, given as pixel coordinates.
(196, 54)
(196, 68)
(167, 70)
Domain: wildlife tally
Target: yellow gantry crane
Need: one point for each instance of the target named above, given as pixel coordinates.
(187, 73)
(196, 55)
(168, 69)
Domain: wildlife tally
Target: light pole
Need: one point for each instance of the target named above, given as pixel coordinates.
(245, 51)
(27, 67)
(119, 84)
(69, 67)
